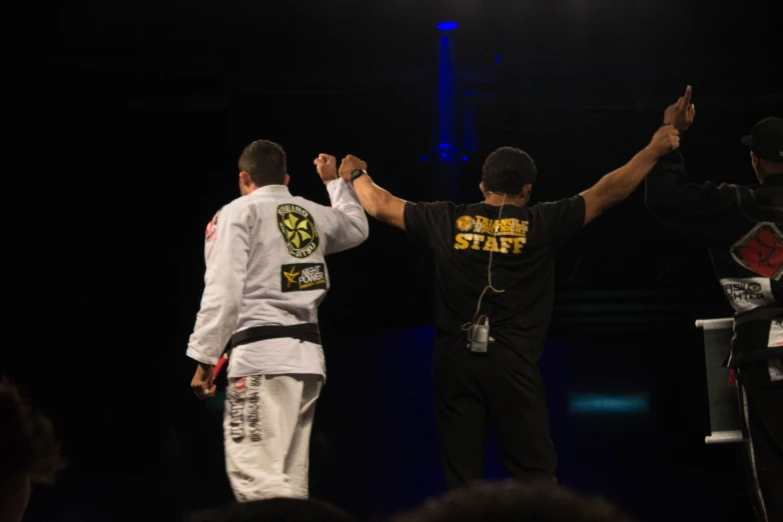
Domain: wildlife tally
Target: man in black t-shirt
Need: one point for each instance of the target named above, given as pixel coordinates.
(495, 262)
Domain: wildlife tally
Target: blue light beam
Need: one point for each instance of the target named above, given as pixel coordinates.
(446, 98)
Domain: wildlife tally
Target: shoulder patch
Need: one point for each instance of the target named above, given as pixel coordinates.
(211, 233)
(298, 229)
(761, 251)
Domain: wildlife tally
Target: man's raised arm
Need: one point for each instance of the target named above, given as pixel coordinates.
(345, 224)
(379, 203)
(619, 184)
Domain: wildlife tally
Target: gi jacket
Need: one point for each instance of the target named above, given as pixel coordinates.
(265, 256)
(741, 228)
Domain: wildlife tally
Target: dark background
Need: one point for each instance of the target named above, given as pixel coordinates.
(134, 125)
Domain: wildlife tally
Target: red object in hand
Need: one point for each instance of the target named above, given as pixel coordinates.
(732, 377)
(219, 366)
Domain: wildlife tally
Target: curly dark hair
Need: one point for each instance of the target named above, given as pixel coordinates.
(511, 501)
(507, 170)
(27, 442)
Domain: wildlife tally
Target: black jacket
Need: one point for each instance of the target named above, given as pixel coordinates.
(742, 228)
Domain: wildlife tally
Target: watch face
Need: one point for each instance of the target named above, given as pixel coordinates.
(356, 173)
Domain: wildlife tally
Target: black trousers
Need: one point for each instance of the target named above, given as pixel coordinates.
(474, 390)
(761, 401)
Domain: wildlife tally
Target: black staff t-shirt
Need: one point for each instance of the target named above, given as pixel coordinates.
(523, 247)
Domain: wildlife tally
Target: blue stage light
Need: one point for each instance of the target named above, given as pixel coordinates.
(464, 158)
(447, 26)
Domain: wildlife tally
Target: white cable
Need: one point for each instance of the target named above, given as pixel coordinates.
(468, 326)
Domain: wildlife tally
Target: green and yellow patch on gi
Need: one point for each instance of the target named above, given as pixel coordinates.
(298, 229)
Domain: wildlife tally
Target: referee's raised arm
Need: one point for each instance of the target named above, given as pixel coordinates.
(619, 184)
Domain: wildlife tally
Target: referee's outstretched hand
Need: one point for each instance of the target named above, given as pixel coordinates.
(349, 164)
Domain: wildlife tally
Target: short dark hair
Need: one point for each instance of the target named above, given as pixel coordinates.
(512, 500)
(265, 163)
(507, 170)
(27, 440)
(274, 510)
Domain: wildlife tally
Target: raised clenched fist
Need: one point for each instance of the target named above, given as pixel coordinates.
(326, 166)
(349, 164)
(666, 140)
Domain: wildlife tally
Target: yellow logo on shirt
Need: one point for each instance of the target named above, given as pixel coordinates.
(298, 229)
(291, 276)
(303, 276)
(465, 223)
(490, 235)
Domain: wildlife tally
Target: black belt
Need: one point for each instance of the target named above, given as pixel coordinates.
(307, 332)
(759, 314)
(751, 333)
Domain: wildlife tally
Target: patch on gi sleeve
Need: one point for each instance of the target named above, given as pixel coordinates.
(211, 233)
(761, 251)
(299, 277)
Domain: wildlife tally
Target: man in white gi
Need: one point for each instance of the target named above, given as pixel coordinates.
(266, 275)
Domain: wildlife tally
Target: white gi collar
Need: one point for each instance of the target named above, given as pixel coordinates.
(272, 190)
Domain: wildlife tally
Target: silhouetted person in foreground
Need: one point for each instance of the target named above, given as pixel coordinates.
(515, 501)
(274, 510)
(29, 453)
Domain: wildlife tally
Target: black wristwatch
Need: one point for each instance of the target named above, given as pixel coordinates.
(357, 173)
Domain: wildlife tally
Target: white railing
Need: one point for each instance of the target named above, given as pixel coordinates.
(725, 424)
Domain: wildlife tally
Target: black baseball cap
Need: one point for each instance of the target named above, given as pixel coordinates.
(766, 140)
